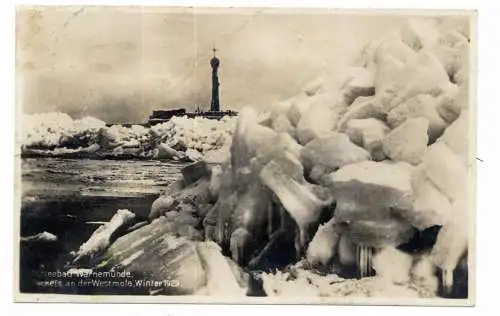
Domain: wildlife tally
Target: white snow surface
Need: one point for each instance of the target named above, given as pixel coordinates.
(58, 131)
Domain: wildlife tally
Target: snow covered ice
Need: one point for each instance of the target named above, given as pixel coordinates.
(181, 138)
(342, 177)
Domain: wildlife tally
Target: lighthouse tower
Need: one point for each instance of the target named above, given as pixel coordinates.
(214, 104)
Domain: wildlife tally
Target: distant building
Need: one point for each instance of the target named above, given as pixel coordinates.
(160, 116)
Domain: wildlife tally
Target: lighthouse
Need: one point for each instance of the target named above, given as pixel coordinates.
(164, 115)
(214, 63)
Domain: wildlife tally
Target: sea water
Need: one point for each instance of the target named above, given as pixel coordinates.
(71, 197)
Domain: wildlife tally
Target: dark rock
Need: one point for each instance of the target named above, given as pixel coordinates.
(279, 252)
(255, 285)
(195, 171)
(422, 240)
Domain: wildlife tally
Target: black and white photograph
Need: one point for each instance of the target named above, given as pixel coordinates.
(245, 155)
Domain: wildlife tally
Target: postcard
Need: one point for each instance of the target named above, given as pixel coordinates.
(245, 155)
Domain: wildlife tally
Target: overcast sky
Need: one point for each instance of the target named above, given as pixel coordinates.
(118, 64)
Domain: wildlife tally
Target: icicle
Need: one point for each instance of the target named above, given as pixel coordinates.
(364, 257)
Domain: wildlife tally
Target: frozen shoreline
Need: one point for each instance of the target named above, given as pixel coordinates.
(332, 178)
(180, 139)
